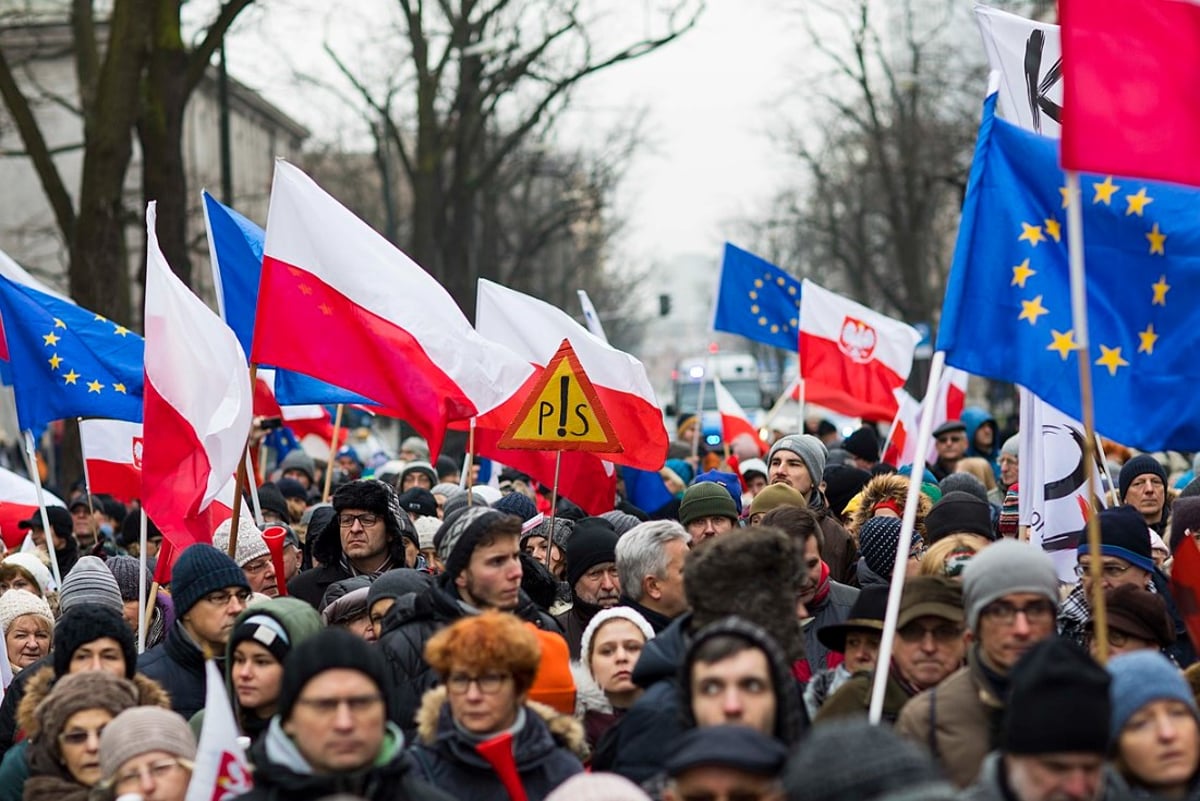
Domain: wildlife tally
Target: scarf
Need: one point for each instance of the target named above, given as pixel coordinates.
(822, 585)
(374, 574)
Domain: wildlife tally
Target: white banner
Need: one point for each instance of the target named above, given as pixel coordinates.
(1028, 57)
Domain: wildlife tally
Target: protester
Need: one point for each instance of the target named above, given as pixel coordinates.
(399, 585)
(1009, 461)
(886, 496)
(298, 465)
(345, 606)
(857, 639)
(486, 664)
(950, 441)
(592, 576)
(25, 572)
(612, 643)
(147, 751)
(27, 625)
(950, 555)
(650, 559)
(725, 762)
(252, 555)
(878, 540)
(418, 473)
(125, 570)
(958, 512)
(1137, 620)
(772, 497)
(66, 549)
(534, 541)
(707, 510)
(1142, 485)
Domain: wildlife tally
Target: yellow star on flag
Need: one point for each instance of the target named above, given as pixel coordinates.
(1063, 344)
(95, 386)
(1160, 291)
(1066, 196)
(55, 361)
(326, 310)
(100, 317)
(1054, 229)
(305, 289)
(50, 339)
(1157, 240)
(1104, 191)
(71, 377)
(1031, 234)
(119, 388)
(1111, 359)
(59, 323)
(1137, 203)
(1022, 273)
(1148, 338)
(120, 331)
(1031, 310)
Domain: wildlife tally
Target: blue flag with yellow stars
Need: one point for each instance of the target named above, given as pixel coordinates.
(66, 361)
(1007, 313)
(757, 300)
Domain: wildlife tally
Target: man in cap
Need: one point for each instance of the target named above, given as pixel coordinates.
(863, 447)
(798, 460)
(592, 576)
(928, 648)
(331, 734)
(209, 591)
(1143, 485)
(84, 510)
(1054, 741)
(417, 474)
(66, 549)
(950, 442)
(725, 762)
(251, 554)
(856, 638)
(707, 510)
(754, 475)
(650, 559)
(1010, 596)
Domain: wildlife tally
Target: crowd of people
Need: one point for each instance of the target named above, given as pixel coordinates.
(421, 640)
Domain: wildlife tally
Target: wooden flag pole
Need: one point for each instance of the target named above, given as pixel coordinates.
(468, 463)
(1079, 322)
(553, 507)
(87, 487)
(238, 486)
(31, 463)
(337, 428)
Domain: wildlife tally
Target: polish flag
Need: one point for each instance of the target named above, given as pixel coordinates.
(18, 501)
(198, 405)
(370, 319)
(734, 421)
(852, 358)
(902, 447)
(112, 457)
(220, 771)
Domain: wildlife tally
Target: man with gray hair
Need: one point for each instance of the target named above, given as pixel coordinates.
(650, 559)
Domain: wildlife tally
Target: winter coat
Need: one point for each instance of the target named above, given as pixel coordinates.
(853, 698)
(178, 665)
(833, 608)
(282, 774)
(839, 550)
(548, 750)
(310, 585)
(974, 418)
(957, 720)
(10, 733)
(409, 624)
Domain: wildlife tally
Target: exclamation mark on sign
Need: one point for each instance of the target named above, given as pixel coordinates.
(564, 384)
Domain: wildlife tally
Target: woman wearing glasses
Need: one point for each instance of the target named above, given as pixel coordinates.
(148, 751)
(478, 733)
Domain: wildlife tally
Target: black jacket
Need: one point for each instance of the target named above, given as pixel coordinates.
(12, 700)
(310, 585)
(178, 665)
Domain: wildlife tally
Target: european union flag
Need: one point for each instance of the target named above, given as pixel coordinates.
(236, 245)
(66, 361)
(757, 300)
(1007, 313)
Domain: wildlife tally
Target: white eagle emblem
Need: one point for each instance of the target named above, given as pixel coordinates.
(857, 340)
(137, 452)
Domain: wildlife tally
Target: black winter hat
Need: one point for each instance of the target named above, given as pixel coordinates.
(515, 503)
(419, 501)
(843, 482)
(878, 540)
(330, 649)
(593, 542)
(86, 623)
(867, 613)
(1124, 535)
(370, 495)
(1139, 466)
(739, 747)
(1058, 702)
(956, 512)
(202, 569)
(863, 443)
(271, 500)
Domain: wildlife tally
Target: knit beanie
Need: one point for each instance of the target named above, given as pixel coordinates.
(560, 535)
(297, 459)
(265, 631)
(271, 500)
(423, 467)
(75, 692)
(88, 623)
(35, 567)
(1139, 466)
(1140, 613)
(843, 482)
(553, 684)
(706, 499)
(461, 532)
(877, 542)
(348, 604)
(1009, 522)
(863, 443)
(730, 481)
(202, 569)
(17, 603)
(1011, 446)
(810, 449)
(250, 544)
(418, 501)
(1139, 677)
(1124, 535)
(141, 730)
(417, 446)
(516, 503)
(774, 496)
(290, 488)
(330, 649)
(1058, 701)
(1005, 568)
(958, 512)
(89, 582)
(598, 787)
(447, 491)
(466, 499)
(594, 542)
(963, 482)
(602, 617)
(125, 570)
(621, 521)
(426, 528)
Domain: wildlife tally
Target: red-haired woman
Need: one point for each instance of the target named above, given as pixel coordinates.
(487, 664)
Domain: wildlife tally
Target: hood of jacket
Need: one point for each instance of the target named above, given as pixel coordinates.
(891, 486)
(973, 417)
(150, 693)
(294, 616)
(662, 656)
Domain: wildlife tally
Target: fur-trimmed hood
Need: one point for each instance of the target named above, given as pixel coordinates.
(566, 730)
(42, 682)
(891, 486)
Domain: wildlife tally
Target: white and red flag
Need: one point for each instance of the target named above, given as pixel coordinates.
(734, 420)
(112, 457)
(18, 501)
(948, 405)
(852, 358)
(221, 771)
(370, 319)
(197, 408)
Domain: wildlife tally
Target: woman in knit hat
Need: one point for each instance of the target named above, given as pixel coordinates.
(148, 751)
(24, 571)
(27, 624)
(612, 643)
(1155, 727)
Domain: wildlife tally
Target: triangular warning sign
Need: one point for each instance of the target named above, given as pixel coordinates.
(562, 412)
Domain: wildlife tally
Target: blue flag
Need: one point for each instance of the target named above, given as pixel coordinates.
(757, 300)
(645, 489)
(66, 361)
(1007, 313)
(237, 252)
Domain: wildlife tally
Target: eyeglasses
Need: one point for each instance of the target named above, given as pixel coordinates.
(327, 707)
(1109, 570)
(156, 771)
(365, 519)
(223, 597)
(488, 683)
(915, 632)
(1006, 613)
(78, 737)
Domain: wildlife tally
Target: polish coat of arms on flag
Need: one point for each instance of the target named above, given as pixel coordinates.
(857, 340)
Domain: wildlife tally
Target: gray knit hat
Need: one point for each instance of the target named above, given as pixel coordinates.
(810, 449)
(460, 533)
(140, 730)
(1004, 568)
(90, 582)
(250, 544)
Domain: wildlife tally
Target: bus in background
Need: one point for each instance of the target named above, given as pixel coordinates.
(739, 374)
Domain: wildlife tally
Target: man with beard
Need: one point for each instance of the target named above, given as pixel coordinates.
(592, 575)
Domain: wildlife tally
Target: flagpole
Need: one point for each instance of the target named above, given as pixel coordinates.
(700, 411)
(899, 568)
(240, 481)
(254, 501)
(31, 456)
(337, 425)
(87, 486)
(553, 507)
(143, 613)
(891, 430)
(1079, 322)
(464, 481)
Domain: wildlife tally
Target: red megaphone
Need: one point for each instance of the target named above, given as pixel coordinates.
(499, 754)
(273, 536)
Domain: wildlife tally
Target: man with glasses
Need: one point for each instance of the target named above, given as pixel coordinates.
(950, 440)
(1010, 595)
(331, 735)
(209, 591)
